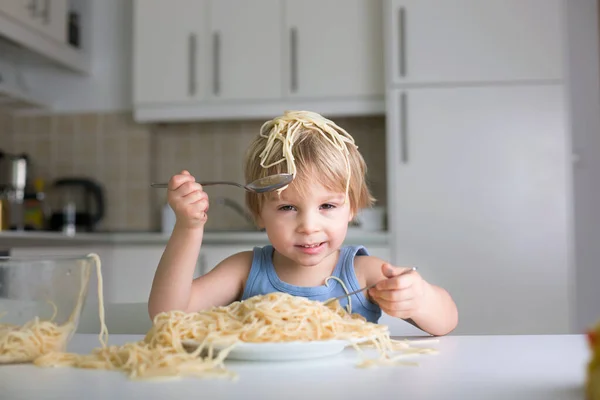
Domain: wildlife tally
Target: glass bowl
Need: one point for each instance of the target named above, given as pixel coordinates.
(41, 299)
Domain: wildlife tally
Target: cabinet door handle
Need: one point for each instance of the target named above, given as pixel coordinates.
(192, 64)
(46, 12)
(293, 59)
(402, 41)
(32, 7)
(404, 128)
(216, 63)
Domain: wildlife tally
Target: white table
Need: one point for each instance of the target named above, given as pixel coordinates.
(467, 367)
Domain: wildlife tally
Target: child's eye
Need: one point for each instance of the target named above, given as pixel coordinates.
(327, 206)
(286, 208)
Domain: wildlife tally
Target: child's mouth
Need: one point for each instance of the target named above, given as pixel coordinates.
(310, 248)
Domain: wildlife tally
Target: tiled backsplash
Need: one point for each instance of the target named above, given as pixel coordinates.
(125, 157)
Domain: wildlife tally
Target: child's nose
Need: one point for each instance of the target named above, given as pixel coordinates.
(309, 223)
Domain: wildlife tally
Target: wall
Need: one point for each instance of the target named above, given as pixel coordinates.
(97, 146)
(125, 157)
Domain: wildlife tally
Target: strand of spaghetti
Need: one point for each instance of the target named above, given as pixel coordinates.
(291, 122)
(54, 310)
(341, 282)
(103, 335)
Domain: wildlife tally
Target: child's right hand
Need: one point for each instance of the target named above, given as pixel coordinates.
(188, 200)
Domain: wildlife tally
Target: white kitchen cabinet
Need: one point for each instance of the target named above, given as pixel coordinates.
(246, 49)
(465, 41)
(479, 182)
(38, 28)
(18, 10)
(206, 51)
(130, 275)
(211, 256)
(171, 51)
(382, 252)
(54, 17)
(335, 48)
(41, 251)
(209, 62)
(120, 318)
(48, 17)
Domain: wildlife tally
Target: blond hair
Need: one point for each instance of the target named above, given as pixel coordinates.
(313, 149)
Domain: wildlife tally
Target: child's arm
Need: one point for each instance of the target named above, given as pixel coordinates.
(172, 282)
(172, 288)
(222, 285)
(410, 297)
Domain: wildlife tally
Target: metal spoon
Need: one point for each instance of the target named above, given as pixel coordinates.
(365, 288)
(261, 185)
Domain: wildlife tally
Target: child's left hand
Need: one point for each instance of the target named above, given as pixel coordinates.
(402, 294)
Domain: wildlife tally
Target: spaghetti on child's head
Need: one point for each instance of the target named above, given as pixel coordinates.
(313, 149)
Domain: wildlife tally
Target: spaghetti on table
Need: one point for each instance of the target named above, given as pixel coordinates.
(275, 317)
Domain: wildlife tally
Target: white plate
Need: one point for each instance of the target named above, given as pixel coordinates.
(286, 351)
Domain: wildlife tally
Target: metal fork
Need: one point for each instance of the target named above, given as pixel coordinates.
(365, 288)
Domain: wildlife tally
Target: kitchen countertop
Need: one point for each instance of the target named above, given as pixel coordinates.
(29, 238)
(533, 367)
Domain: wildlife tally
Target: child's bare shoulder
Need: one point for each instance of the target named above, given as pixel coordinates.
(368, 269)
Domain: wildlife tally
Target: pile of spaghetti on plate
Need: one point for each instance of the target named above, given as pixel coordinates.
(276, 317)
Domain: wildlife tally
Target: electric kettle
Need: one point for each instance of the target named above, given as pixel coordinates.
(78, 205)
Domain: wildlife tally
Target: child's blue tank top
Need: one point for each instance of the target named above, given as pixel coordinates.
(263, 280)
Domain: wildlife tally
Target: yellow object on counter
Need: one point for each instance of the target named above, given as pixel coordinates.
(34, 215)
(4, 214)
(593, 370)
